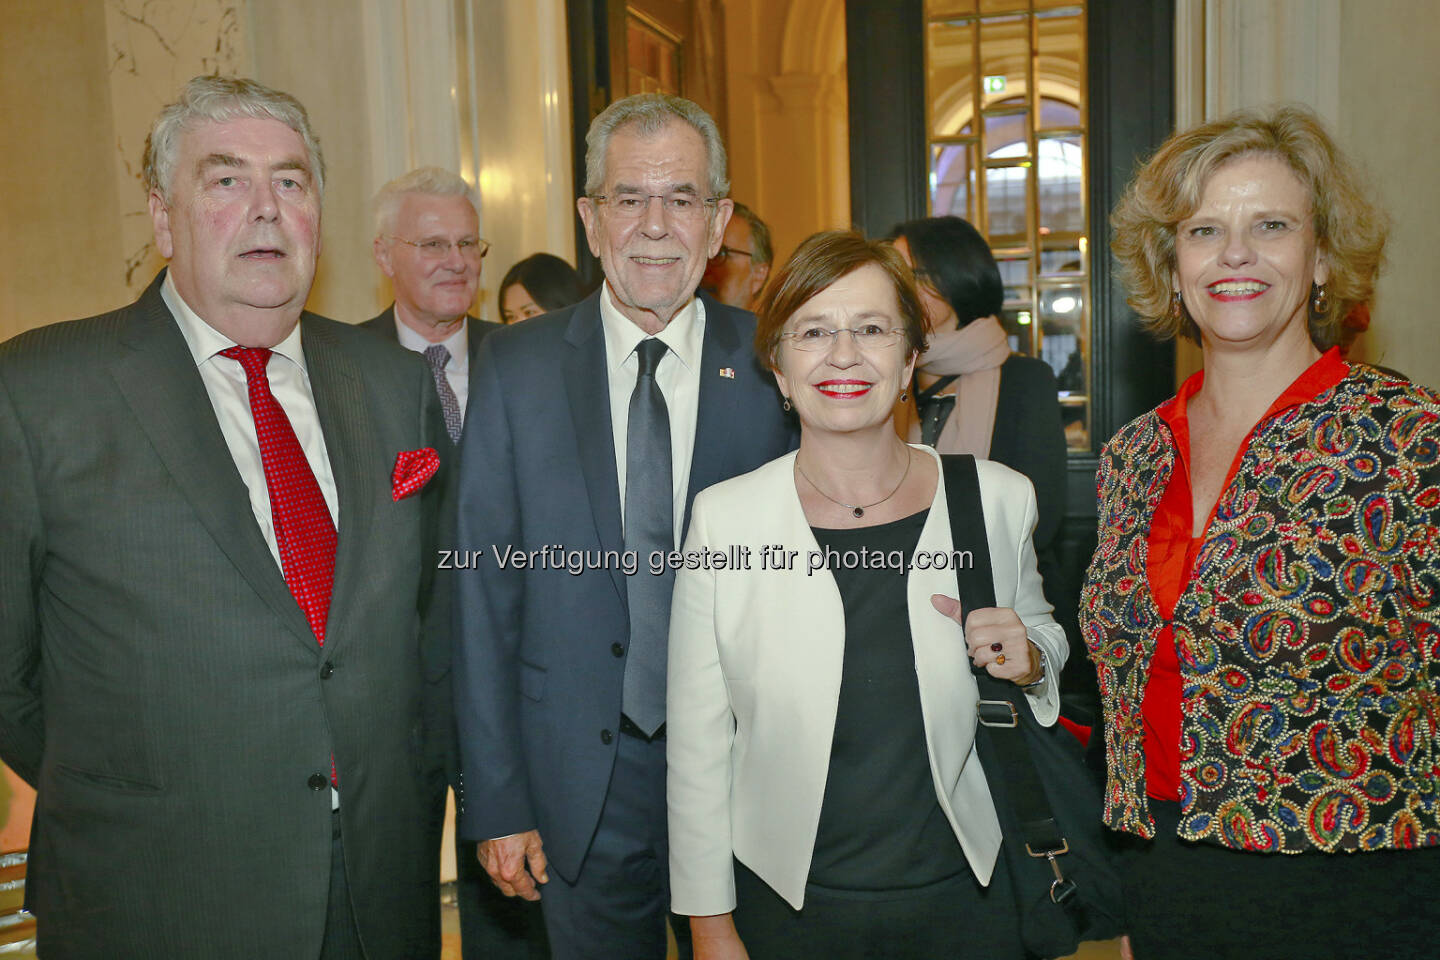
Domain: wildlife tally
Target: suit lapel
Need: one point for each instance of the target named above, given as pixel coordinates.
(156, 375)
(587, 387)
(718, 414)
(352, 444)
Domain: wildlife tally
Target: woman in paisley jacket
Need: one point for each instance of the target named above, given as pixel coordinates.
(1263, 607)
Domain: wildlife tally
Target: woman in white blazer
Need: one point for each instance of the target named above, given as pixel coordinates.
(825, 797)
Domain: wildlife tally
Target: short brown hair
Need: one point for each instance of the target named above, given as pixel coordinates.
(1349, 230)
(818, 262)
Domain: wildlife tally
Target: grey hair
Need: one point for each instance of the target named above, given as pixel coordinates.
(430, 181)
(649, 113)
(762, 250)
(218, 100)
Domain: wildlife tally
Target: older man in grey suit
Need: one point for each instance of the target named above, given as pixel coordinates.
(215, 524)
(428, 243)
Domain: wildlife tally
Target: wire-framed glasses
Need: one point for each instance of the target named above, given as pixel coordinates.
(867, 336)
(677, 206)
(435, 248)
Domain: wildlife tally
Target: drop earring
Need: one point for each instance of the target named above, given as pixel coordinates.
(786, 404)
(1319, 300)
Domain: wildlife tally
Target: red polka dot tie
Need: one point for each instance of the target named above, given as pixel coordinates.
(303, 528)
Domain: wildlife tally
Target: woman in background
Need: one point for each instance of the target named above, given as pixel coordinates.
(538, 284)
(824, 791)
(1263, 607)
(972, 394)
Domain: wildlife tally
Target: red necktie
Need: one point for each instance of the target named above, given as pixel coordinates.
(303, 528)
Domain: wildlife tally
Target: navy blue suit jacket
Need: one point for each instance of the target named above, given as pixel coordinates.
(537, 676)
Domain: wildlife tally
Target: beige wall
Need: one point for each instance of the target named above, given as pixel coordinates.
(788, 131)
(61, 254)
(1389, 88)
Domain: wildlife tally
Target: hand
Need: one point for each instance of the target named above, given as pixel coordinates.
(992, 633)
(1125, 952)
(506, 860)
(715, 938)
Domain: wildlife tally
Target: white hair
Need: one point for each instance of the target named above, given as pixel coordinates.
(649, 113)
(430, 181)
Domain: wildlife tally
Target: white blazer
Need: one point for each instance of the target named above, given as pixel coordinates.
(754, 680)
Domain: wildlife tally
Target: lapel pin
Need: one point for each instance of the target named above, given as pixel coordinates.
(728, 373)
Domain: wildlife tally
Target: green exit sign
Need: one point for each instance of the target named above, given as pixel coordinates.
(995, 84)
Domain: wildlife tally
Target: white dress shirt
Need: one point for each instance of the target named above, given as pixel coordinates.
(225, 382)
(678, 377)
(457, 368)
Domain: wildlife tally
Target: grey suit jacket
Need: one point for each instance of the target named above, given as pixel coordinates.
(159, 685)
(441, 751)
(539, 659)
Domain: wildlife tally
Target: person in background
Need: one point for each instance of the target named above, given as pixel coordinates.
(736, 275)
(825, 795)
(972, 394)
(1261, 607)
(427, 241)
(217, 531)
(603, 420)
(538, 284)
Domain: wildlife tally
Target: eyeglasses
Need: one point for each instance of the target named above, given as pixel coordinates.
(471, 248)
(728, 252)
(867, 336)
(677, 206)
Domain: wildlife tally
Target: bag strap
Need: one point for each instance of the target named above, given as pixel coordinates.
(997, 712)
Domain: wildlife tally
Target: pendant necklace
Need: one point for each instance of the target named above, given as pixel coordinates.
(857, 510)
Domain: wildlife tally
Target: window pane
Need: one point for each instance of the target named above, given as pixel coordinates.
(1057, 113)
(945, 8)
(1015, 275)
(1061, 171)
(1060, 65)
(1007, 202)
(1004, 55)
(1061, 260)
(951, 83)
(952, 180)
(1005, 136)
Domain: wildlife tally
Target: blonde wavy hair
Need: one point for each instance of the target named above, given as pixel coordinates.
(1349, 230)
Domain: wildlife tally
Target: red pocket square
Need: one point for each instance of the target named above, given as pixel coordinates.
(413, 469)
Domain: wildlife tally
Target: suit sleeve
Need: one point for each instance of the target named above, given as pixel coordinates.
(1036, 613)
(22, 552)
(700, 733)
(495, 796)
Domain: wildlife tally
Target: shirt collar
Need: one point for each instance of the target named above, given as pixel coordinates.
(457, 343)
(683, 334)
(205, 341)
(1320, 376)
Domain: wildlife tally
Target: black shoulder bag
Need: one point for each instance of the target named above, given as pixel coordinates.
(1059, 855)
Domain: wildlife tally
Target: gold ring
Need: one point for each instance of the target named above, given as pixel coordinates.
(1000, 660)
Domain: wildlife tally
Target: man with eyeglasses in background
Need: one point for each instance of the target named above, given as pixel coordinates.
(602, 422)
(737, 274)
(427, 241)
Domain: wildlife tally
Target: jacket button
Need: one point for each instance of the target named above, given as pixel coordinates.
(326, 670)
(317, 781)
(617, 649)
(606, 736)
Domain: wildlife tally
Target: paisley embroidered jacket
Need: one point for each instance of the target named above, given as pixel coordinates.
(1308, 635)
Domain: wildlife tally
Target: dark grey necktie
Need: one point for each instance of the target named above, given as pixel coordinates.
(437, 356)
(649, 519)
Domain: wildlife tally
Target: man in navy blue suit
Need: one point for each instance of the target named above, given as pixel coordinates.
(603, 420)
